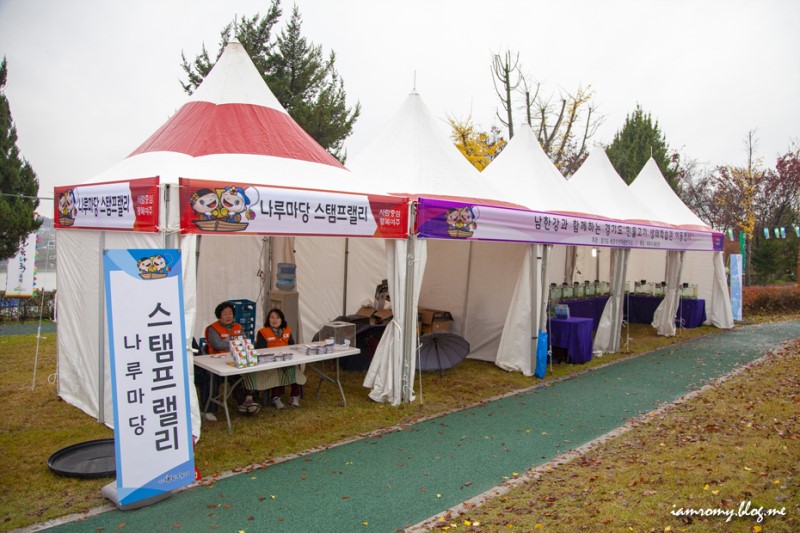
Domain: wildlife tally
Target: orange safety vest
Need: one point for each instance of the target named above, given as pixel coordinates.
(224, 333)
(273, 341)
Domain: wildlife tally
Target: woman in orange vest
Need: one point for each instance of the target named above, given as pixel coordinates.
(276, 333)
(218, 337)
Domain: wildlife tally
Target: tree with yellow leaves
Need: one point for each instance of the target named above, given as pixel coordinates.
(479, 147)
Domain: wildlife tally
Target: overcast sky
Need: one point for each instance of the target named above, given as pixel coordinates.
(90, 80)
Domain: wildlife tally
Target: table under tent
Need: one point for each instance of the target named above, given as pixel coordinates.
(227, 169)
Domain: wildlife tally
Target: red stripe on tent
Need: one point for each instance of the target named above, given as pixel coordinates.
(204, 128)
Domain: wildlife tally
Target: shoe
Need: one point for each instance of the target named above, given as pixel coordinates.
(249, 407)
(277, 403)
(211, 417)
(294, 401)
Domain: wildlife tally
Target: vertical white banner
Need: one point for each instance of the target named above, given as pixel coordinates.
(152, 420)
(736, 286)
(22, 269)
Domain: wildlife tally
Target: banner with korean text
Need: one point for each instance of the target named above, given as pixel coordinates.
(21, 269)
(438, 219)
(152, 421)
(124, 205)
(230, 207)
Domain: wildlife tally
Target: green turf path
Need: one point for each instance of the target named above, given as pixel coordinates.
(404, 477)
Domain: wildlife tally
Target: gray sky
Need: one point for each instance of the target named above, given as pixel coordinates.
(89, 80)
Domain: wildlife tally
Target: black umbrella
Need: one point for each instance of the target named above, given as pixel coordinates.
(440, 351)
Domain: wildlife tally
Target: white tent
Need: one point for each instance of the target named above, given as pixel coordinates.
(413, 156)
(523, 173)
(232, 130)
(699, 268)
(600, 186)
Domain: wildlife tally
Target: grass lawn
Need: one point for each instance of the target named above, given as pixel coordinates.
(36, 423)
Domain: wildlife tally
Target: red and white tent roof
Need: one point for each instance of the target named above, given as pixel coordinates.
(233, 128)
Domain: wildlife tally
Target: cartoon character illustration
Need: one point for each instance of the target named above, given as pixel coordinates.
(468, 216)
(159, 265)
(144, 264)
(66, 208)
(461, 221)
(234, 204)
(205, 203)
(153, 267)
(222, 209)
(453, 219)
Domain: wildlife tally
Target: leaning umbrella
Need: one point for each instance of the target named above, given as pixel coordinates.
(440, 351)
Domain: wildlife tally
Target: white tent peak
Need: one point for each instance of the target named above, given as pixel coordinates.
(607, 193)
(652, 188)
(234, 79)
(413, 155)
(524, 174)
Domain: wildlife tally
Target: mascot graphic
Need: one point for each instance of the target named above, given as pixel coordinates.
(66, 208)
(461, 221)
(153, 267)
(223, 210)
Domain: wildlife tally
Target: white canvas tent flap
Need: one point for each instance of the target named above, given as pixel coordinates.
(664, 315)
(651, 186)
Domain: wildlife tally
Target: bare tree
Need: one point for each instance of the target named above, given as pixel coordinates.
(564, 126)
(506, 75)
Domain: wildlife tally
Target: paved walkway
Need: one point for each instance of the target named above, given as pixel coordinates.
(406, 476)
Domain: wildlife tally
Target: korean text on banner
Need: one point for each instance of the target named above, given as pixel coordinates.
(22, 269)
(152, 421)
(123, 205)
(231, 207)
(440, 219)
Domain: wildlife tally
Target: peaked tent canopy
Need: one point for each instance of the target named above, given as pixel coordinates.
(523, 174)
(606, 192)
(651, 188)
(413, 156)
(232, 129)
(650, 185)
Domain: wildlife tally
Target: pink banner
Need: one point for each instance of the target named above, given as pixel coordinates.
(437, 219)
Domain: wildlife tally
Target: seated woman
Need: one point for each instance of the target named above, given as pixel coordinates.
(218, 337)
(276, 333)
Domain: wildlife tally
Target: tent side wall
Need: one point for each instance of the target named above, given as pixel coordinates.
(79, 271)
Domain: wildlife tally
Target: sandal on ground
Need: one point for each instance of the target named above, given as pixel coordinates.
(249, 407)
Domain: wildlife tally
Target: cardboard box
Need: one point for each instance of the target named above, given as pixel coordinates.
(384, 316)
(429, 316)
(366, 310)
(441, 325)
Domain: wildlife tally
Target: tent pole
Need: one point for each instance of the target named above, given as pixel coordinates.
(410, 315)
(545, 300)
(346, 263)
(533, 250)
(466, 294)
(101, 339)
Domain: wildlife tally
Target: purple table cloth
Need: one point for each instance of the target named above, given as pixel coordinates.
(574, 334)
(642, 308)
(591, 307)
